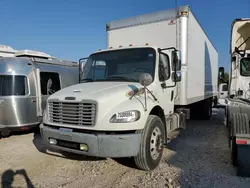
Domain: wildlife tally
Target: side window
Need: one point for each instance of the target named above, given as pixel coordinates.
(224, 88)
(50, 82)
(164, 66)
(13, 85)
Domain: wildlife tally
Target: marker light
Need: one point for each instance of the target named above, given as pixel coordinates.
(84, 147)
(184, 13)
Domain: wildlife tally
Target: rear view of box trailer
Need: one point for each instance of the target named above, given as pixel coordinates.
(162, 29)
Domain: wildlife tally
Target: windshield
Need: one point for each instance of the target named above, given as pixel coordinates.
(13, 85)
(120, 65)
(245, 67)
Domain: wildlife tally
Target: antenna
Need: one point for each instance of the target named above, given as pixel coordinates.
(176, 17)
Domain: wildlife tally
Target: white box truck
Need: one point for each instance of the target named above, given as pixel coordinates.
(238, 99)
(136, 95)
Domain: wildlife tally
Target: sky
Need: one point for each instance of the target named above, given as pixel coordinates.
(73, 29)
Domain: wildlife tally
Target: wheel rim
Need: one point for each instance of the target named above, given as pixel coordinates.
(155, 143)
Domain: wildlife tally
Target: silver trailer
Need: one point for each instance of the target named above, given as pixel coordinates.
(26, 81)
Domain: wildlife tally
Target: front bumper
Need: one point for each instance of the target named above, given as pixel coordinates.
(99, 145)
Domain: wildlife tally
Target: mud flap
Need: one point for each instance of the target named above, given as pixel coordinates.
(241, 133)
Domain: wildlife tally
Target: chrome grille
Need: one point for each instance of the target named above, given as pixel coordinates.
(82, 114)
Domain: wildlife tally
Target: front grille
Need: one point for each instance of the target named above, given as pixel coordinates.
(81, 114)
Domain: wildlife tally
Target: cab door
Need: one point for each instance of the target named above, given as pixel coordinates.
(166, 85)
(223, 89)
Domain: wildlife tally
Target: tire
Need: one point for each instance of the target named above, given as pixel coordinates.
(145, 159)
(207, 109)
(5, 133)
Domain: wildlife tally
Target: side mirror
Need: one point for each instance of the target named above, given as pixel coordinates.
(82, 63)
(176, 76)
(233, 58)
(221, 72)
(145, 79)
(176, 60)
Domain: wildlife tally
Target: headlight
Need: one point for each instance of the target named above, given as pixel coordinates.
(125, 117)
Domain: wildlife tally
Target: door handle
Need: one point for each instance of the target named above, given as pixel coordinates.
(172, 95)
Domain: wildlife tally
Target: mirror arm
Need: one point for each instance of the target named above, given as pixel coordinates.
(163, 85)
(171, 86)
(80, 67)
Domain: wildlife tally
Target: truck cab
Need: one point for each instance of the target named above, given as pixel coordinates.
(239, 70)
(240, 76)
(238, 100)
(123, 107)
(135, 96)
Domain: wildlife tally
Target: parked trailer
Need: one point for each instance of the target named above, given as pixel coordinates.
(141, 94)
(26, 81)
(238, 100)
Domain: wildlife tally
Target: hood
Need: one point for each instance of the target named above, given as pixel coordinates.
(240, 32)
(98, 91)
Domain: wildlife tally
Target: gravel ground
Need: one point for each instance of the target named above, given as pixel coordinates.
(199, 157)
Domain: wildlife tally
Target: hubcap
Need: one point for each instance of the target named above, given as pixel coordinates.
(155, 143)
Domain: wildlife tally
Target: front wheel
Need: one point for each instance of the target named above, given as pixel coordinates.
(152, 142)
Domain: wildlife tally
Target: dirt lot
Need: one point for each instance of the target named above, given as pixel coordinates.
(199, 157)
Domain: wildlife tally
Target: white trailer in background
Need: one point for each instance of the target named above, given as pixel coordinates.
(136, 94)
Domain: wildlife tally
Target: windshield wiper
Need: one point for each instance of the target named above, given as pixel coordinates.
(87, 80)
(121, 78)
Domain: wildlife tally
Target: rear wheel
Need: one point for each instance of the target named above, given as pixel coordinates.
(152, 142)
(207, 109)
(201, 110)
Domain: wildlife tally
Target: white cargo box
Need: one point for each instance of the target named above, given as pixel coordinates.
(161, 29)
